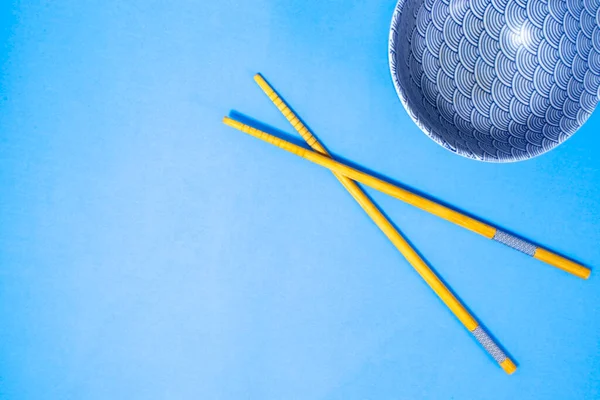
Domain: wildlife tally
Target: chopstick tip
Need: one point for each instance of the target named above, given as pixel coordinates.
(586, 273)
(227, 120)
(508, 366)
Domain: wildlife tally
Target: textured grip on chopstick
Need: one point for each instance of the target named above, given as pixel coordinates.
(515, 242)
(488, 344)
(542, 254)
(494, 350)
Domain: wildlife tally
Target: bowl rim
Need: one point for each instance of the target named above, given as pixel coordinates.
(393, 37)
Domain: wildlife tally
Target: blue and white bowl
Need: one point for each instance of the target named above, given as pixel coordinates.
(497, 80)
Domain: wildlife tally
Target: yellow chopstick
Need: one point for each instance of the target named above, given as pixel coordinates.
(421, 202)
(395, 237)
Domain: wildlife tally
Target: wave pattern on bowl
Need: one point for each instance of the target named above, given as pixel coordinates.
(497, 80)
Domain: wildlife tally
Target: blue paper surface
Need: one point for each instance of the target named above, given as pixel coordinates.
(147, 251)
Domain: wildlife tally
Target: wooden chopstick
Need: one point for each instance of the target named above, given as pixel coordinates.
(419, 201)
(428, 275)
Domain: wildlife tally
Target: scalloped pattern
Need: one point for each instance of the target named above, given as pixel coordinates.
(497, 80)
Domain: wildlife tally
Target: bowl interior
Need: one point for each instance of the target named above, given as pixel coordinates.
(497, 81)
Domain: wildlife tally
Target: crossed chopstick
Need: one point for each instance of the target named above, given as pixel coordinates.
(347, 175)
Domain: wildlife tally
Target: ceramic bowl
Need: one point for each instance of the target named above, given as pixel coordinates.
(497, 80)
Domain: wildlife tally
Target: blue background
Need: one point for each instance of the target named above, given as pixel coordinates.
(149, 252)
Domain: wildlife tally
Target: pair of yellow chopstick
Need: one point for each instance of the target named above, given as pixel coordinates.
(347, 175)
